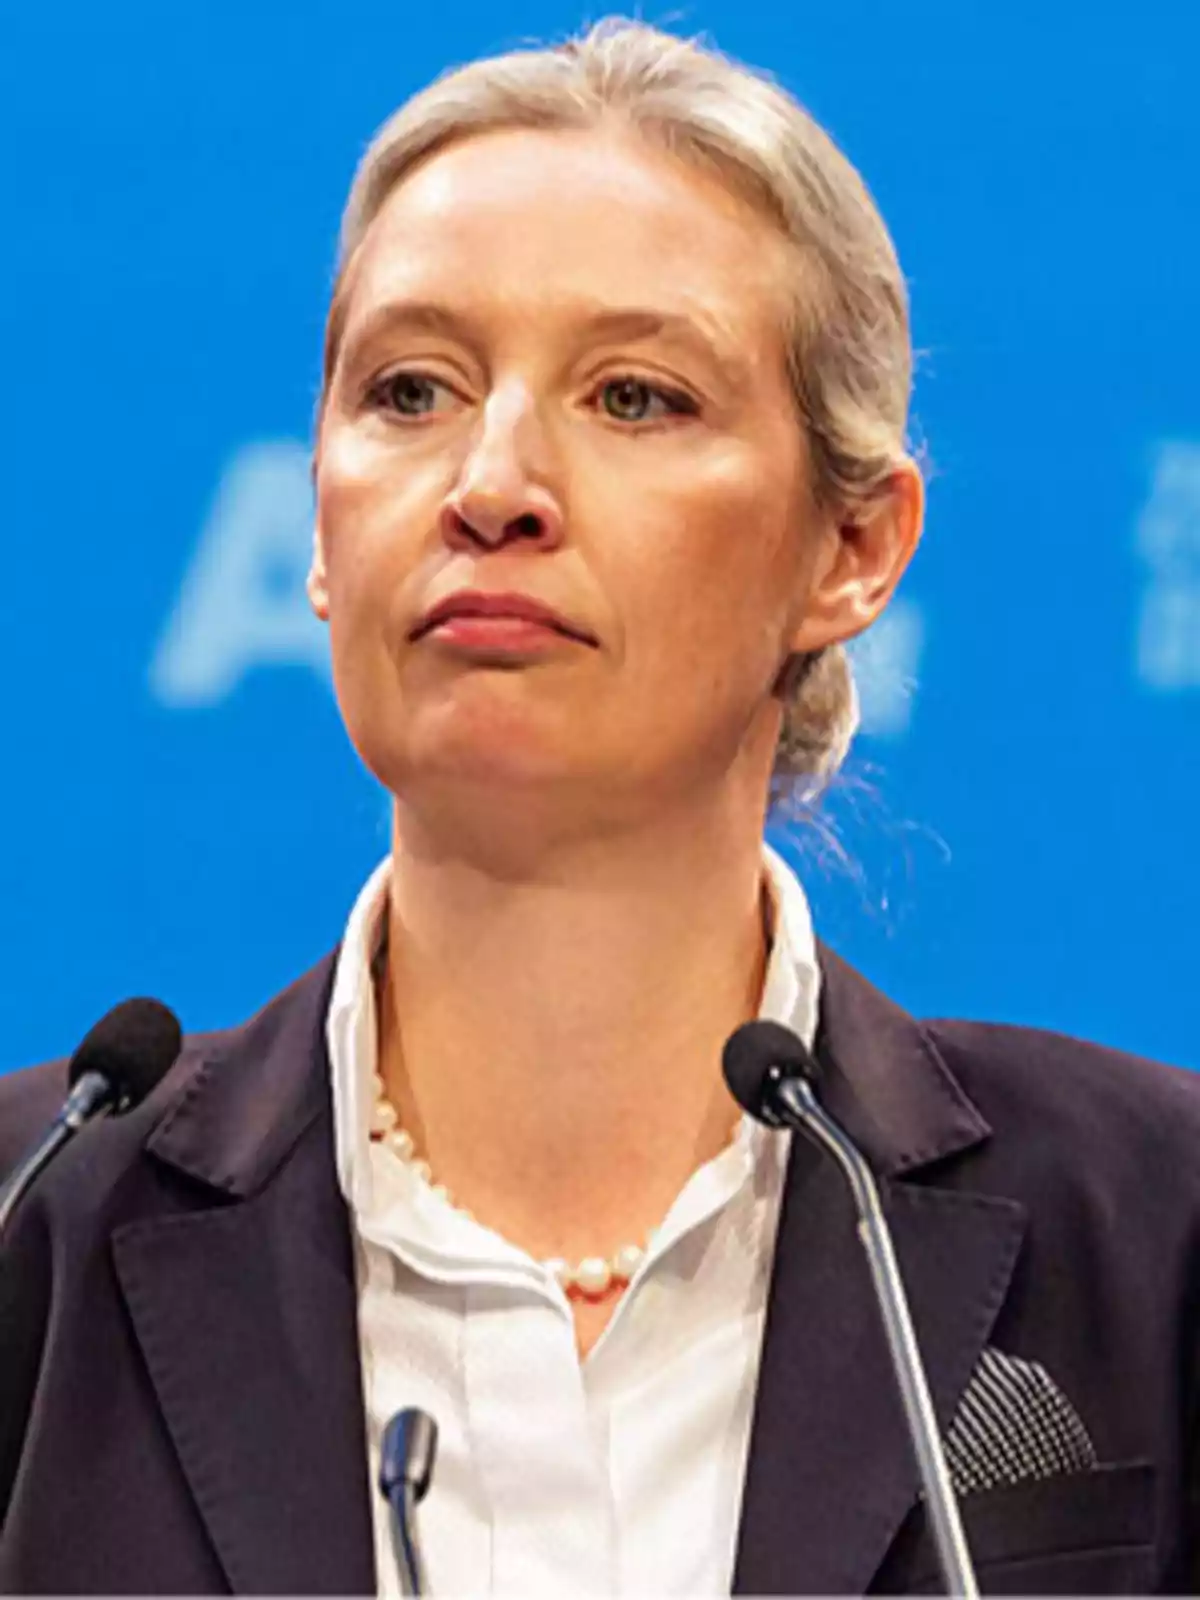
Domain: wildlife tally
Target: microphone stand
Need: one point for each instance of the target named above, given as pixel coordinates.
(404, 1543)
(795, 1095)
(92, 1095)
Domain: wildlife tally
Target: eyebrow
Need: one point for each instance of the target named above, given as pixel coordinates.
(606, 322)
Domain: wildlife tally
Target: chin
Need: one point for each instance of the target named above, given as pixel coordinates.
(494, 737)
(492, 758)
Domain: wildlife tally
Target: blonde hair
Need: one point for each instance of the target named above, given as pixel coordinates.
(847, 328)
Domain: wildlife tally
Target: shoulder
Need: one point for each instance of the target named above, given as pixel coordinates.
(29, 1099)
(1014, 1069)
(1059, 1106)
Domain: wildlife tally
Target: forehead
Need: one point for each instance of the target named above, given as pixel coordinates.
(538, 221)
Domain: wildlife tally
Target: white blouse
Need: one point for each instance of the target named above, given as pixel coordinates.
(618, 1475)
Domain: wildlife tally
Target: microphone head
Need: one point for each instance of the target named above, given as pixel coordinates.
(756, 1057)
(132, 1046)
(407, 1454)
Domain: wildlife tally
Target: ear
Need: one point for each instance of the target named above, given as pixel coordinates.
(317, 583)
(859, 563)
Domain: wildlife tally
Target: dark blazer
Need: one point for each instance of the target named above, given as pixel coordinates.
(180, 1401)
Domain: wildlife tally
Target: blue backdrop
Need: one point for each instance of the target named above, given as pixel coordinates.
(181, 812)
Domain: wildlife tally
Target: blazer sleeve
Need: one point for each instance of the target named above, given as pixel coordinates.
(1188, 1580)
(28, 1101)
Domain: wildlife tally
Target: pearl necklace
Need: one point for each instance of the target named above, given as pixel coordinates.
(590, 1279)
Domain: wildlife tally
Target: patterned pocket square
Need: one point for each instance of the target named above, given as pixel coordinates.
(1014, 1423)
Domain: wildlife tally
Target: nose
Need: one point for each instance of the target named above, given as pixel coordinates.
(502, 495)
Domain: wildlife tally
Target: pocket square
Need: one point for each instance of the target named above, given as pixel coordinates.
(1014, 1423)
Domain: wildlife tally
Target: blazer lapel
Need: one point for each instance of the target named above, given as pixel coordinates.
(245, 1309)
(830, 1475)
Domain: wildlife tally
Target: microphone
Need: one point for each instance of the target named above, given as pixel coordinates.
(405, 1473)
(118, 1063)
(770, 1073)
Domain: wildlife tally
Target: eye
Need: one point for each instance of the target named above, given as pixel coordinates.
(626, 397)
(403, 392)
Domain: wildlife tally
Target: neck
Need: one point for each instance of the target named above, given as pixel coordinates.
(552, 1039)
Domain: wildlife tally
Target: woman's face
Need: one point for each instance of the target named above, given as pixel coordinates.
(561, 377)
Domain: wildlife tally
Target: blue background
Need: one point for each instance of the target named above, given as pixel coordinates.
(1019, 829)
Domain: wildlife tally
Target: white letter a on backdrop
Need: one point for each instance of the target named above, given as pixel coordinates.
(243, 602)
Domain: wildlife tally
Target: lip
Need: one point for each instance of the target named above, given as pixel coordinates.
(501, 607)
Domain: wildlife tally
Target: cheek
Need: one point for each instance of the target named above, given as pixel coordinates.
(716, 569)
(364, 505)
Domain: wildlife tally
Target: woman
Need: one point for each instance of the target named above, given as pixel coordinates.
(609, 465)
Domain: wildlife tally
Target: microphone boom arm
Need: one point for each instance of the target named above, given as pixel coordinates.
(404, 1544)
(91, 1095)
(795, 1094)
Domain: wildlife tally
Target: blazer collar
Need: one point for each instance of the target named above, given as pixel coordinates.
(249, 1094)
(245, 1097)
(884, 1079)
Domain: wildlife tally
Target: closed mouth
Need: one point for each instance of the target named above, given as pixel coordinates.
(509, 608)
